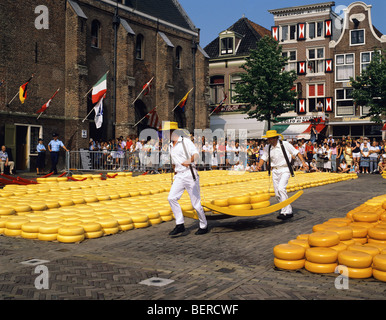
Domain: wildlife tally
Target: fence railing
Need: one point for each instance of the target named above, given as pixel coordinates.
(154, 161)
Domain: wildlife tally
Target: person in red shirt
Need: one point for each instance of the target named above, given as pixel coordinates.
(309, 151)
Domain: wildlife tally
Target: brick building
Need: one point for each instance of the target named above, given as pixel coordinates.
(352, 52)
(154, 39)
(227, 54)
(326, 50)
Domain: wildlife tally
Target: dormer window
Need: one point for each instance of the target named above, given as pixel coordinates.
(227, 45)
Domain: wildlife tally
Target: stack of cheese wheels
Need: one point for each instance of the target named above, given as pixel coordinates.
(357, 262)
(320, 257)
(166, 214)
(125, 222)
(139, 220)
(70, 234)
(92, 230)
(289, 256)
(30, 230)
(13, 226)
(109, 225)
(49, 231)
(379, 266)
(377, 234)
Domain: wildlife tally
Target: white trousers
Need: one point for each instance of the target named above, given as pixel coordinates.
(184, 181)
(11, 165)
(280, 179)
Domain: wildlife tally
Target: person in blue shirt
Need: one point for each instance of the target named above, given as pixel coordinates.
(54, 147)
(40, 162)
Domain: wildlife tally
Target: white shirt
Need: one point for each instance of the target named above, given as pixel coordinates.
(277, 157)
(178, 155)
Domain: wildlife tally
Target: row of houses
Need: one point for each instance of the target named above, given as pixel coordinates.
(324, 49)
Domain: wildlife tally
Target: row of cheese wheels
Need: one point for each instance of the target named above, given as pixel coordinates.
(357, 242)
(67, 228)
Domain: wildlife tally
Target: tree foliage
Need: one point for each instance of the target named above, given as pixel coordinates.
(265, 87)
(369, 89)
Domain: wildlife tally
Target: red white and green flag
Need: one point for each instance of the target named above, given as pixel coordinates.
(99, 89)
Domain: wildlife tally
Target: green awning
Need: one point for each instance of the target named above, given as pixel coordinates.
(280, 127)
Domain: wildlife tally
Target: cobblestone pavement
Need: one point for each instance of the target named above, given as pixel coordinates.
(232, 262)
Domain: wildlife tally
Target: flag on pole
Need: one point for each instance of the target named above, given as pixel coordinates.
(99, 89)
(99, 113)
(47, 104)
(153, 120)
(23, 91)
(145, 90)
(218, 108)
(182, 103)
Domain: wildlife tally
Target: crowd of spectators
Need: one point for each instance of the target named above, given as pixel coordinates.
(341, 155)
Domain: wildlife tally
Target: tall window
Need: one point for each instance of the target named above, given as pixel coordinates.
(366, 58)
(226, 46)
(344, 66)
(95, 34)
(344, 102)
(178, 57)
(357, 37)
(316, 60)
(216, 89)
(288, 33)
(291, 63)
(315, 29)
(139, 47)
(234, 79)
(316, 93)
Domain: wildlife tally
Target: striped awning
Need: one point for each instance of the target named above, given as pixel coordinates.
(297, 131)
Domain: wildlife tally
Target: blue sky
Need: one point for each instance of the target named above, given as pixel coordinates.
(214, 16)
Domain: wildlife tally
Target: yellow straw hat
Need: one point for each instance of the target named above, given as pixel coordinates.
(168, 125)
(272, 134)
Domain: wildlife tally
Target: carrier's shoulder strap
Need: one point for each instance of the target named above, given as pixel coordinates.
(286, 158)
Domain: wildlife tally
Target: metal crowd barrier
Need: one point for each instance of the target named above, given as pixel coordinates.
(154, 162)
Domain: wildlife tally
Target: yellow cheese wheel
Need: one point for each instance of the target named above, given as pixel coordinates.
(346, 220)
(380, 246)
(47, 236)
(38, 206)
(289, 252)
(65, 203)
(289, 264)
(138, 217)
(93, 234)
(358, 231)
(335, 223)
(302, 237)
(91, 227)
(360, 240)
(260, 198)
(345, 233)
(245, 206)
(21, 208)
(29, 235)
(168, 212)
(323, 239)
(49, 228)
(12, 232)
(70, 231)
(15, 223)
(350, 242)
(32, 227)
(320, 267)
(4, 211)
(91, 199)
(70, 239)
(126, 227)
(355, 259)
(379, 275)
(239, 200)
(167, 218)
(339, 247)
(379, 262)
(108, 223)
(221, 202)
(375, 241)
(124, 219)
(138, 225)
(321, 255)
(365, 217)
(300, 242)
(367, 249)
(320, 227)
(153, 215)
(377, 233)
(360, 273)
(259, 205)
(155, 221)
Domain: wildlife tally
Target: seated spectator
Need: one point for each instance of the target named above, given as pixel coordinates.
(382, 164)
(343, 167)
(313, 167)
(4, 161)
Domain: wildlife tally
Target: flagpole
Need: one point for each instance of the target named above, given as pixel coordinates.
(50, 99)
(145, 116)
(93, 87)
(181, 100)
(141, 92)
(104, 96)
